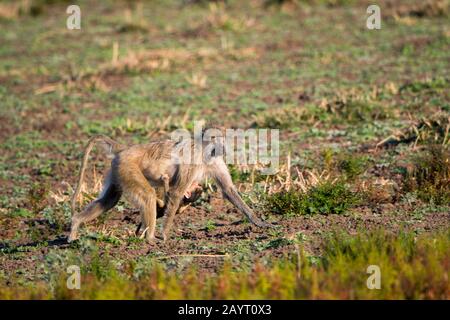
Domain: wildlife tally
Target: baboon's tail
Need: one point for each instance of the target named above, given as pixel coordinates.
(115, 148)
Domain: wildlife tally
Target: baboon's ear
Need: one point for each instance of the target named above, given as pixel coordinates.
(219, 149)
(213, 150)
(107, 148)
(214, 147)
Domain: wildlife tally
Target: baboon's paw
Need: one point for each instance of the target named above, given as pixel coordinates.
(153, 239)
(72, 238)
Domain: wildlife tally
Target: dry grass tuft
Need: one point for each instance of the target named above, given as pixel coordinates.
(429, 175)
(144, 61)
(419, 9)
(432, 130)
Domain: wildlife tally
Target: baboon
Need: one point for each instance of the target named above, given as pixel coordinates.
(138, 171)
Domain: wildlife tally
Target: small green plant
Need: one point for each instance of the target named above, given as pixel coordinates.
(326, 198)
(431, 85)
(300, 237)
(278, 243)
(328, 159)
(354, 111)
(352, 165)
(246, 175)
(288, 203)
(210, 225)
(239, 175)
(37, 197)
(429, 176)
(22, 213)
(105, 238)
(135, 240)
(45, 170)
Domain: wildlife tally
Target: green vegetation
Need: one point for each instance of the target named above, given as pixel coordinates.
(354, 111)
(352, 165)
(433, 85)
(411, 268)
(429, 176)
(325, 198)
(210, 225)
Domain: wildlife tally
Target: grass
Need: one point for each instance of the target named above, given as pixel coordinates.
(429, 176)
(325, 198)
(411, 268)
(428, 85)
(352, 165)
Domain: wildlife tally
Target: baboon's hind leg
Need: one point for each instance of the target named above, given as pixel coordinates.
(108, 199)
(141, 194)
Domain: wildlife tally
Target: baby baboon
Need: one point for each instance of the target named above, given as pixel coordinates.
(192, 195)
(138, 170)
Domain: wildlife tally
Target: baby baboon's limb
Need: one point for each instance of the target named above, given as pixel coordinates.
(191, 196)
(107, 199)
(160, 203)
(192, 193)
(186, 178)
(165, 178)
